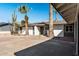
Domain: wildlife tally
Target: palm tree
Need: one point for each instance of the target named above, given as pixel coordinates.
(23, 10)
(22, 23)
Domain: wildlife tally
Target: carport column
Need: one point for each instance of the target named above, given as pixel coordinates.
(76, 29)
(50, 20)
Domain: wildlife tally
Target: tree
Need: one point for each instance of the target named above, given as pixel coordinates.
(22, 25)
(14, 28)
(23, 10)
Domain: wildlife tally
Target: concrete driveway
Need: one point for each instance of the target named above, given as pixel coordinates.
(49, 48)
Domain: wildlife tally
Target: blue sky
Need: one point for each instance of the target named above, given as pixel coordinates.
(39, 12)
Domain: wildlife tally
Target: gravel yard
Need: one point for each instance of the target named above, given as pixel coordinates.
(9, 44)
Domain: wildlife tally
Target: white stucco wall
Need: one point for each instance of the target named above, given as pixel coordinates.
(36, 30)
(58, 31)
(23, 32)
(30, 31)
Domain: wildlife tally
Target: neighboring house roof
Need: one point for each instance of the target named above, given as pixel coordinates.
(5, 26)
(36, 24)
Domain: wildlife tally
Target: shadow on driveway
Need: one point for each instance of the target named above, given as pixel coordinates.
(49, 48)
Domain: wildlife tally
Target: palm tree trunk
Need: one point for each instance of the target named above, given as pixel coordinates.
(26, 24)
(50, 21)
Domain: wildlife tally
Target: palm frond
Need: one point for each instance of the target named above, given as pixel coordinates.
(23, 9)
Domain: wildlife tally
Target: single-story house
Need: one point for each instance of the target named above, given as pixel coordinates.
(60, 28)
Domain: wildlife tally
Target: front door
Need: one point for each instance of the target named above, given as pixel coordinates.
(69, 30)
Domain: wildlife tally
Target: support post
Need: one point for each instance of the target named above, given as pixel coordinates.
(50, 20)
(76, 29)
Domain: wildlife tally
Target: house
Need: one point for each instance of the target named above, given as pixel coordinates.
(61, 28)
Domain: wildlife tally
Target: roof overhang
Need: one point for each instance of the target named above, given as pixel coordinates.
(66, 10)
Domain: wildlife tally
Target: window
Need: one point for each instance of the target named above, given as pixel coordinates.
(68, 28)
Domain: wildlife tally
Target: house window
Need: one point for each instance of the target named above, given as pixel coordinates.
(68, 28)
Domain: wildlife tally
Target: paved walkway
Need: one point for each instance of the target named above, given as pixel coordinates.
(49, 48)
(69, 39)
(10, 44)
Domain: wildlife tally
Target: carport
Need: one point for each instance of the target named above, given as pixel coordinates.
(70, 12)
